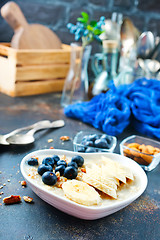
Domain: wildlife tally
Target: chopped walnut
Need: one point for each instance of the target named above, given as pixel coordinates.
(58, 175)
(60, 182)
(28, 199)
(79, 176)
(12, 199)
(23, 183)
(65, 138)
(51, 148)
(83, 170)
(63, 157)
(35, 157)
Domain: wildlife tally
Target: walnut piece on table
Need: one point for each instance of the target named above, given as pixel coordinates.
(28, 199)
(12, 199)
(65, 138)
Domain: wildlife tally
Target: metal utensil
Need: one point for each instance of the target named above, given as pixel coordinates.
(4, 137)
(111, 31)
(152, 65)
(145, 44)
(154, 52)
(149, 66)
(21, 139)
(129, 35)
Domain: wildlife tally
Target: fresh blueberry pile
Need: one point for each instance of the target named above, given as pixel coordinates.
(51, 165)
(95, 143)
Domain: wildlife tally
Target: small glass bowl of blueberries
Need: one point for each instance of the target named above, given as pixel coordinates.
(89, 142)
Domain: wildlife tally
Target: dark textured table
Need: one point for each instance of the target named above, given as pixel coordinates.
(40, 221)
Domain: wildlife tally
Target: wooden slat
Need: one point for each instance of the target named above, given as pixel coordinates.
(6, 50)
(29, 57)
(37, 87)
(41, 72)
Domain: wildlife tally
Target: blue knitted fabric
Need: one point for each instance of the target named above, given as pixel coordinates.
(144, 98)
(111, 111)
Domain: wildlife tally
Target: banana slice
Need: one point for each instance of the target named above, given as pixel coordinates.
(100, 186)
(81, 192)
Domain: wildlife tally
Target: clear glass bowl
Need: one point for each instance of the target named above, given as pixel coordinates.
(142, 150)
(79, 146)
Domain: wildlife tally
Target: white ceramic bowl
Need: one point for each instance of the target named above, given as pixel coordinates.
(77, 210)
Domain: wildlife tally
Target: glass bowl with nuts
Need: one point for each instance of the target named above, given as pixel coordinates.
(144, 151)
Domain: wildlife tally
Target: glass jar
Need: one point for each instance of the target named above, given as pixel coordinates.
(76, 84)
(106, 71)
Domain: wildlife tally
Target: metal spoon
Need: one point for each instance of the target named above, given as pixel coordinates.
(129, 35)
(150, 66)
(154, 52)
(153, 65)
(145, 44)
(4, 137)
(21, 139)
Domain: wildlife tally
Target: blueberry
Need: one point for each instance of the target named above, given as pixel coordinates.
(78, 159)
(70, 172)
(48, 161)
(73, 164)
(107, 138)
(85, 138)
(101, 143)
(61, 162)
(88, 143)
(32, 162)
(90, 150)
(49, 178)
(81, 149)
(56, 158)
(44, 168)
(60, 169)
(93, 137)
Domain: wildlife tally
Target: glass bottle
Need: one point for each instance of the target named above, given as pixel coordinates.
(76, 84)
(109, 65)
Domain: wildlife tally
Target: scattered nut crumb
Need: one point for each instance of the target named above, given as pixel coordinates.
(50, 140)
(58, 175)
(83, 170)
(4, 184)
(8, 180)
(28, 199)
(23, 183)
(1, 187)
(0, 172)
(1, 193)
(63, 157)
(51, 147)
(12, 199)
(65, 138)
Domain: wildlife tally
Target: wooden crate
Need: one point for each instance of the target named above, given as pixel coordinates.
(29, 72)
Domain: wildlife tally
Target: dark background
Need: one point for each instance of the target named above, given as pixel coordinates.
(55, 14)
